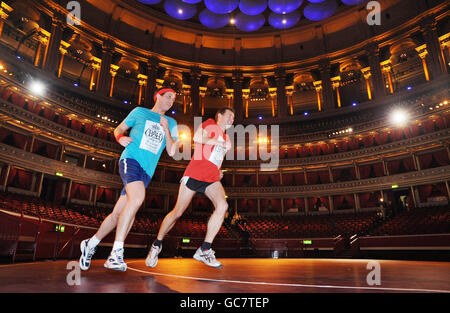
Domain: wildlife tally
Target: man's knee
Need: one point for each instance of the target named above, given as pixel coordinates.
(222, 208)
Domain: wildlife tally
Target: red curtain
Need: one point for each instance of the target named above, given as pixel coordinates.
(369, 199)
(344, 202)
(245, 205)
(400, 166)
(368, 141)
(19, 140)
(270, 205)
(314, 203)
(3, 133)
(20, 179)
(79, 191)
(156, 202)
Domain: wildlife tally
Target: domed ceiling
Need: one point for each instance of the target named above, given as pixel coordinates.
(250, 15)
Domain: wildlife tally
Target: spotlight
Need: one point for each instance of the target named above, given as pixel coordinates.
(180, 11)
(173, 112)
(354, 104)
(232, 21)
(306, 113)
(260, 117)
(409, 88)
(75, 84)
(37, 88)
(399, 117)
(125, 101)
(1, 67)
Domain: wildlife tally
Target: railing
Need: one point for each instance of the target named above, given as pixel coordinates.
(339, 245)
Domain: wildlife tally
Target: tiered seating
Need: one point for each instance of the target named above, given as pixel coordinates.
(350, 224)
(186, 226)
(419, 221)
(289, 227)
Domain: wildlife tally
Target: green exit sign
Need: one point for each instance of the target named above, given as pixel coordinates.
(307, 242)
(60, 228)
(186, 240)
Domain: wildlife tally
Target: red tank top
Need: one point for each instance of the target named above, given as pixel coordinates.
(207, 160)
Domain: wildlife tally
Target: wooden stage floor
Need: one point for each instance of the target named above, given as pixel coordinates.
(237, 276)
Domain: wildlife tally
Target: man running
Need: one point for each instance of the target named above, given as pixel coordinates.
(151, 132)
(202, 175)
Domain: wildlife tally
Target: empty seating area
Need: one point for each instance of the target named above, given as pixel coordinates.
(432, 220)
(310, 226)
(92, 216)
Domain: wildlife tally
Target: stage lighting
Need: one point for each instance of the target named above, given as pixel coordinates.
(399, 117)
(37, 88)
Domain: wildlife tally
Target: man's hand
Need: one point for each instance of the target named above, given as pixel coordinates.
(125, 141)
(227, 145)
(164, 123)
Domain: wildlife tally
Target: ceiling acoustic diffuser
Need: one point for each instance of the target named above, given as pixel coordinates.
(250, 15)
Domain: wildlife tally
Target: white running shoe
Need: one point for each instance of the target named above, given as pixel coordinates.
(86, 255)
(152, 257)
(115, 261)
(207, 257)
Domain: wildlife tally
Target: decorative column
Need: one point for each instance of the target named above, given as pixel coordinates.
(43, 38)
(280, 80)
(152, 75)
(142, 79)
(357, 204)
(422, 51)
(202, 94)
(336, 82)
(95, 64)
(328, 98)
(245, 98)
(186, 97)
(237, 88)
(4, 13)
(113, 72)
(430, 35)
(367, 74)
(103, 86)
(195, 90)
(373, 52)
(39, 190)
(273, 95)
(62, 50)
(387, 67)
(290, 100)
(229, 93)
(413, 196)
(318, 87)
(51, 53)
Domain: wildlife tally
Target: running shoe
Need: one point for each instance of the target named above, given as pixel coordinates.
(207, 257)
(152, 257)
(115, 261)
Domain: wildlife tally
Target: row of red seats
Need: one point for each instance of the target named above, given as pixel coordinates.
(417, 221)
(420, 221)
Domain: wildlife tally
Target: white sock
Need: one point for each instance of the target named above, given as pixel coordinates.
(93, 242)
(118, 245)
